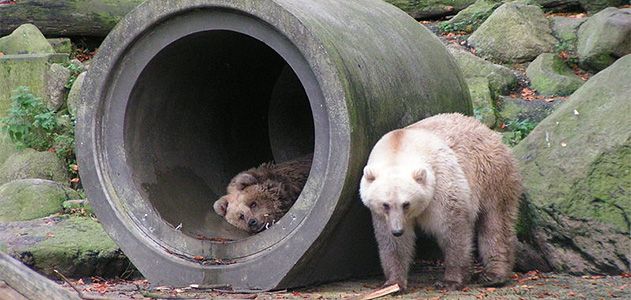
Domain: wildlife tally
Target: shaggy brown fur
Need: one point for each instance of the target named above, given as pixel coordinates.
(462, 182)
(259, 197)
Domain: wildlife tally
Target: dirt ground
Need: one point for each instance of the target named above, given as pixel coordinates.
(531, 285)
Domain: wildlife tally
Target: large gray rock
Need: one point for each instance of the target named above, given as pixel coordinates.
(575, 168)
(501, 79)
(577, 159)
(605, 37)
(56, 80)
(75, 246)
(28, 199)
(24, 40)
(515, 32)
(550, 76)
(33, 164)
(482, 101)
(74, 99)
(565, 29)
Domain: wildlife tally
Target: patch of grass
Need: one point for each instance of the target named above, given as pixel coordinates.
(517, 130)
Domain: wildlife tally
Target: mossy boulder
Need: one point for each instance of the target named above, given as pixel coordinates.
(74, 99)
(483, 108)
(566, 31)
(550, 76)
(61, 45)
(577, 160)
(33, 164)
(523, 110)
(7, 147)
(26, 39)
(605, 37)
(75, 246)
(514, 33)
(470, 18)
(56, 79)
(430, 8)
(594, 6)
(25, 70)
(501, 79)
(28, 199)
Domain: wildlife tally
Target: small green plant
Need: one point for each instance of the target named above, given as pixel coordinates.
(74, 73)
(517, 130)
(30, 124)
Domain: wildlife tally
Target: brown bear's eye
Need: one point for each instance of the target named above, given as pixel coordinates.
(253, 205)
(406, 205)
(241, 217)
(386, 206)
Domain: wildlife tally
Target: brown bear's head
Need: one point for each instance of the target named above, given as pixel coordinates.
(252, 208)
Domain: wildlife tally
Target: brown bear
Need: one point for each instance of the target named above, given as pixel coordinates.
(259, 197)
(451, 177)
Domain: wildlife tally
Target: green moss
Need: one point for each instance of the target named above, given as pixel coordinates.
(470, 18)
(605, 194)
(75, 246)
(425, 8)
(33, 164)
(31, 199)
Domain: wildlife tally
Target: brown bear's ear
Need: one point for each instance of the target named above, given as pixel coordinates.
(243, 180)
(221, 206)
(369, 174)
(420, 175)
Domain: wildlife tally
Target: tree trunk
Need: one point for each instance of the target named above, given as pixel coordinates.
(65, 17)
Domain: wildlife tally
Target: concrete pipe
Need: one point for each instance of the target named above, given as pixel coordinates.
(185, 94)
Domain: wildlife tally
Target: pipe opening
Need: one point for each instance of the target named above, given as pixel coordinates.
(206, 107)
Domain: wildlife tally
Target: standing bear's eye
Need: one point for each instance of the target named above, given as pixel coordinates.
(406, 205)
(253, 205)
(241, 217)
(386, 206)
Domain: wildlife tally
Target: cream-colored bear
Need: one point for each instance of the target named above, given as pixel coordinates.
(451, 177)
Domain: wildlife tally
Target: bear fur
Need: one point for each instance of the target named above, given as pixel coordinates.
(259, 197)
(453, 178)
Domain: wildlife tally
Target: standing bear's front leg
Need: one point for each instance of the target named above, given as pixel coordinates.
(396, 252)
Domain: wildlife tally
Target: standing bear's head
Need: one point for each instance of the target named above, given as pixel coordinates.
(397, 193)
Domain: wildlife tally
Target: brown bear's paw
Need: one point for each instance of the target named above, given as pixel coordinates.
(448, 285)
(403, 284)
(492, 280)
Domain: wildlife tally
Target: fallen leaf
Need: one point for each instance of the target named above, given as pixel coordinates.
(198, 257)
(490, 289)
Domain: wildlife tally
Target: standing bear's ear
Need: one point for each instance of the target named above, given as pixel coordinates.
(420, 175)
(221, 206)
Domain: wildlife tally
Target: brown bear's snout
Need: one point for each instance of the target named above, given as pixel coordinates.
(397, 232)
(253, 223)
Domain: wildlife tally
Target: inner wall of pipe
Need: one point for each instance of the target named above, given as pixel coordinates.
(207, 107)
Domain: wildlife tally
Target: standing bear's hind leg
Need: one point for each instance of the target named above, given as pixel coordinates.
(496, 239)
